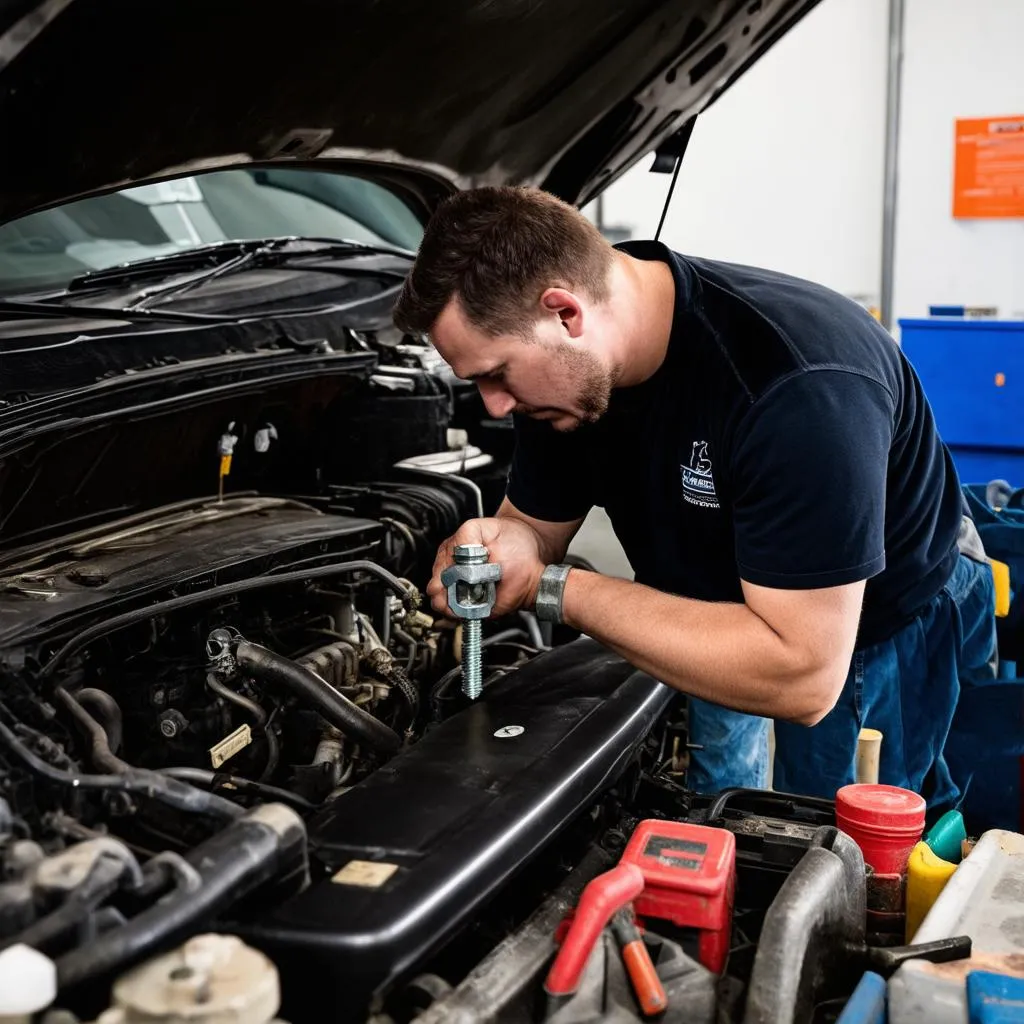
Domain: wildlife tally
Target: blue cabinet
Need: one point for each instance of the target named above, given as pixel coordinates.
(973, 374)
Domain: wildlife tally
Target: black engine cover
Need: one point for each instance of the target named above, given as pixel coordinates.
(453, 818)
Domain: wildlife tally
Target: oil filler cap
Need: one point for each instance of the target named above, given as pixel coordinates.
(28, 981)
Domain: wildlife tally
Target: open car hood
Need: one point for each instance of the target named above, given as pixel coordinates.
(565, 94)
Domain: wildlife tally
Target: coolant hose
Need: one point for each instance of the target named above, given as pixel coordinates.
(268, 843)
(351, 719)
(260, 716)
(137, 781)
(106, 711)
(100, 754)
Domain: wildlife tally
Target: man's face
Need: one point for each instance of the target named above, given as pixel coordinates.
(548, 376)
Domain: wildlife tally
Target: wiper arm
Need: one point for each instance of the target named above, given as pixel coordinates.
(161, 292)
(276, 252)
(58, 310)
(156, 266)
(212, 261)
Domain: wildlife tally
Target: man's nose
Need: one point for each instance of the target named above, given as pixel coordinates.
(497, 401)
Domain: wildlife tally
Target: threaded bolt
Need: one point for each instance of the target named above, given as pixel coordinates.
(472, 673)
(472, 629)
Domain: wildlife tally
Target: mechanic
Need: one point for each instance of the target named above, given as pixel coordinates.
(768, 462)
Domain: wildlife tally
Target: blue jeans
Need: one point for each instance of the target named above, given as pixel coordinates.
(908, 687)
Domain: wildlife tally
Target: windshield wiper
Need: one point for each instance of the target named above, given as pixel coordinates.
(50, 309)
(221, 258)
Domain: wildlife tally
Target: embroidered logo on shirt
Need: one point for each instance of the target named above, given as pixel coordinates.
(698, 484)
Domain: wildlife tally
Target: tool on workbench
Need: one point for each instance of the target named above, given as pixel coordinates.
(471, 592)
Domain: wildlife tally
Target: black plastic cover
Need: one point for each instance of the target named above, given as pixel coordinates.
(457, 814)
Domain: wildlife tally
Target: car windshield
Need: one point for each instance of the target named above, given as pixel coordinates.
(45, 250)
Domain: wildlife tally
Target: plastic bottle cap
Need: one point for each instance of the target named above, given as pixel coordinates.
(28, 981)
(881, 806)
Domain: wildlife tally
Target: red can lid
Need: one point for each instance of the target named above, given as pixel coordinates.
(869, 804)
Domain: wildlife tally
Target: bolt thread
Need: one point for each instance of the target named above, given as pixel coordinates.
(472, 682)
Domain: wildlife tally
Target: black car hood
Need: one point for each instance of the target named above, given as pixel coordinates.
(561, 93)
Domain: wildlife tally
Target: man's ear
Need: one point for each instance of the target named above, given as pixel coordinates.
(567, 307)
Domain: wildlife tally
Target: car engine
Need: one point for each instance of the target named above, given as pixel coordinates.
(238, 713)
(239, 779)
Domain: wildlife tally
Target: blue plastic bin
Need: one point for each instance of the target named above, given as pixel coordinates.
(973, 374)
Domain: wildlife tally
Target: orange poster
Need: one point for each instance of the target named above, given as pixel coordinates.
(989, 176)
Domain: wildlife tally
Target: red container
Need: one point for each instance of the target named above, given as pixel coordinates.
(886, 822)
(689, 879)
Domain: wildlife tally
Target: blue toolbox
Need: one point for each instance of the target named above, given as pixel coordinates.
(973, 374)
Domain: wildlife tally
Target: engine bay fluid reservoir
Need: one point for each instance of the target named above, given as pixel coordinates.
(211, 979)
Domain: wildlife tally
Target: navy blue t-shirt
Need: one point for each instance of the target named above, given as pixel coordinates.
(784, 440)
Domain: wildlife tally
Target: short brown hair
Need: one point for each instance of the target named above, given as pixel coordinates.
(497, 249)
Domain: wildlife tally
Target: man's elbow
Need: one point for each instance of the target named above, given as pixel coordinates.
(817, 694)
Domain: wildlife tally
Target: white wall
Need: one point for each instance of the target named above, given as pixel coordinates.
(962, 59)
(785, 170)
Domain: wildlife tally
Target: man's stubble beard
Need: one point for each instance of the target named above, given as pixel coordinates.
(593, 382)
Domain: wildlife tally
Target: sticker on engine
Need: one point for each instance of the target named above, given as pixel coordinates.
(507, 732)
(230, 745)
(369, 874)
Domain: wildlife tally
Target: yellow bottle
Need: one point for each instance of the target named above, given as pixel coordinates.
(927, 875)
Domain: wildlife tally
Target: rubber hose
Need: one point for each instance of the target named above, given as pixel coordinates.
(411, 644)
(270, 841)
(351, 719)
(100, 754)
(204, 777)
(533, 628)
(138, 781)
(103, 882)
(173, 604)
(506, 634)
(261, 717)
(106, 710)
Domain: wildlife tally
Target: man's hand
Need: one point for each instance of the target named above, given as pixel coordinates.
(511, 543)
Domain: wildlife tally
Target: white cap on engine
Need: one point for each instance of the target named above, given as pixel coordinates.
(28, 981)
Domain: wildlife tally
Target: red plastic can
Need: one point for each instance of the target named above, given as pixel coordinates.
(886, 822)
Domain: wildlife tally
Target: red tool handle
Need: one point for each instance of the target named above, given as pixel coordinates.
(643, 976)
(602, 897)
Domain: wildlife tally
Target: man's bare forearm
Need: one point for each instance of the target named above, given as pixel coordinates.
(721, 652)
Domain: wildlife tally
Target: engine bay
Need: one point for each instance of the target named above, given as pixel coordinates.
(234, 747)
